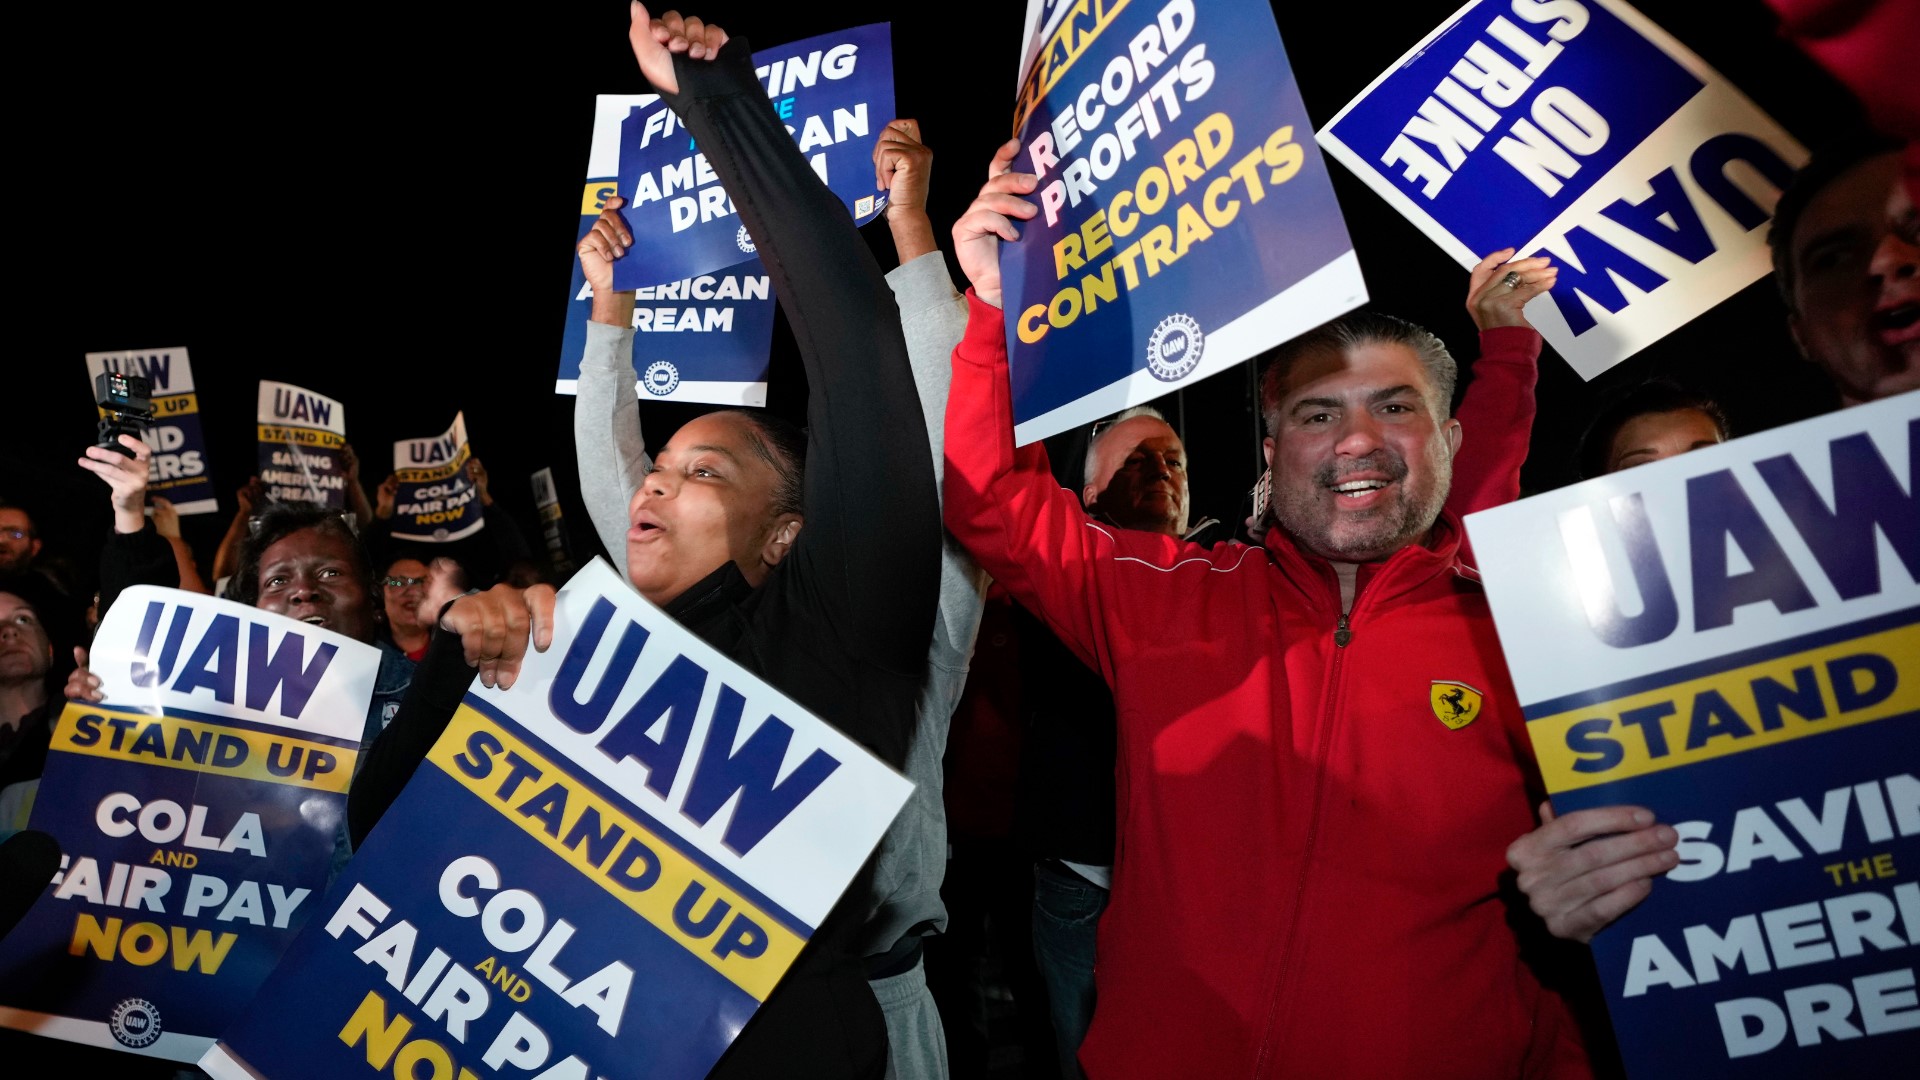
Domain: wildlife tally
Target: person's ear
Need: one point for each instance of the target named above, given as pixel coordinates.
(786, 529)
(1089, 497)
(1266, 449)
(1455, 433)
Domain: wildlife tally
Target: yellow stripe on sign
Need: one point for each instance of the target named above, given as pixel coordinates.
(628, 860)
(176, 405)
(300, 436)
(201, 746)
(1077, 32)
(594, 198)
(169, 405)
(1747, 708)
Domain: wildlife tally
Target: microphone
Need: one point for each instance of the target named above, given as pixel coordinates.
(28, 861)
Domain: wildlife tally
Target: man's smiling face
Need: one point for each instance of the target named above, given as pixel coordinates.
(1362, 456)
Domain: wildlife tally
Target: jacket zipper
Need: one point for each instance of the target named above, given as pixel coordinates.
(1342, 634)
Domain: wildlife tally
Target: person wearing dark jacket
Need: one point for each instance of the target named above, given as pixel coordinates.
(838, 617)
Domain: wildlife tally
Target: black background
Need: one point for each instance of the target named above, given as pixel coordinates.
(382, 208)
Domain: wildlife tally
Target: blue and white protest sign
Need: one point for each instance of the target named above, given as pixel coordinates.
(436, 502)
(546, 500)
(1186, 220)
(1731, 639)
(177, 471)
(834, 92)
(197, 807)
(600, 872)
(705, 338)
(1579, 130)
(303, 436)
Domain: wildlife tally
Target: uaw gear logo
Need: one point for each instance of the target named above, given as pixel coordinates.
(1455, 704)
(1174, 348)
(135, 1023)
(746, 242)
(660, 378)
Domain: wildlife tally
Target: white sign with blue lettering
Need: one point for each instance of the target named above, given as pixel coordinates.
(1580, 130)
(603, 871)
(177, 471)
(1731, 639)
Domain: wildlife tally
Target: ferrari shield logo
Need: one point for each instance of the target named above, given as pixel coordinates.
(1455, 704)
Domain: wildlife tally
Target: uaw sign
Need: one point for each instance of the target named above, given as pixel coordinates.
(436, 502)
(1186, 220)
(705, 337)
(197, 807)
(1579, 130)
(1731, 638)
(833, 93)
(303, 438)
(177, 471)
(602, 872)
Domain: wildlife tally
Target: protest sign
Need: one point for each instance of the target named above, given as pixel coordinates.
(834, 93)
(197, 807)
(1186, 220)
(705, 338)
(1731, 639)
(546, 499)
(301, 438)
(1579, 130)
(177, 471)
(594, 874)
(436, 502)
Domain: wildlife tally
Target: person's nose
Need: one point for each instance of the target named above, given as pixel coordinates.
(1359, 434)
(1894, 259)
(304, 589)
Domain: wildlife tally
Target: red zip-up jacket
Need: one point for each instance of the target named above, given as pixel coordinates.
(1308, 874)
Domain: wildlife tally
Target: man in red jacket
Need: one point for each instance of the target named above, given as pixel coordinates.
(1321, 759)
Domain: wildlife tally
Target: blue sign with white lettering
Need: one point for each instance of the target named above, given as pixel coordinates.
(706, 338)
(1517, 124)
(197, 806)
(593, 874)
(1730, 639)
(1186, 220)
(835, 92)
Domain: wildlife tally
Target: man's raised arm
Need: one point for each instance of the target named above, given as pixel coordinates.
(1003, 504)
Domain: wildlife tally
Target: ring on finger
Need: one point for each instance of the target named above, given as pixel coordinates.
(1512, 280)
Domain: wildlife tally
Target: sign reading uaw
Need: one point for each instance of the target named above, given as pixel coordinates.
(1580, 130)
(600, 873)
(1186, 218)
(1731, 639)
(198, 807)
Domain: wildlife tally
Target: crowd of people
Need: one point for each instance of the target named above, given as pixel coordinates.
(1174, 773)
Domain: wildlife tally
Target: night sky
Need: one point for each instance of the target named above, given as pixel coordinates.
(382, 208)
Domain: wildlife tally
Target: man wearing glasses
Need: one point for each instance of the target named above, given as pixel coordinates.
(18, 541)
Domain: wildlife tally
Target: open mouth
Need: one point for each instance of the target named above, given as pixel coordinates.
(1359, 489)
(1895, 319)
(315, 620)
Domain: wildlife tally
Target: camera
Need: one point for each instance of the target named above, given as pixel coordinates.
(126, 407)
